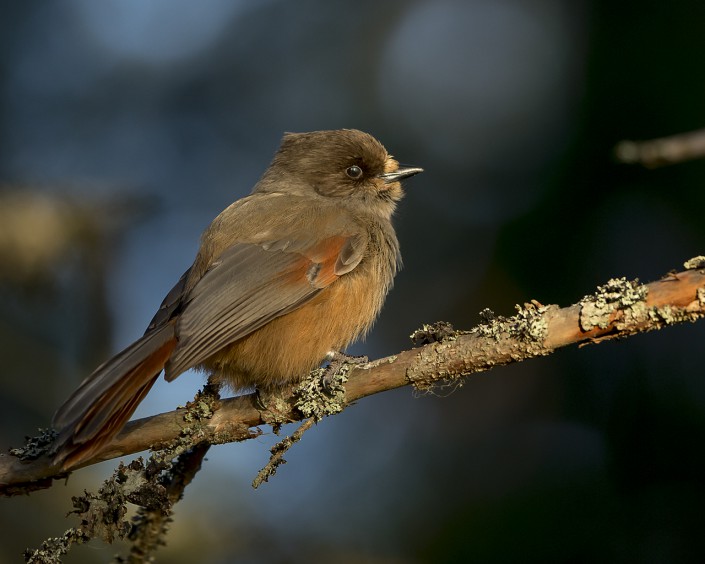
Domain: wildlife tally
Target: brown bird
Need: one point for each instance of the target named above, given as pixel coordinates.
(284, 276)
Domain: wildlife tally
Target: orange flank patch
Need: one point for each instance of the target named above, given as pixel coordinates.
(317, 265)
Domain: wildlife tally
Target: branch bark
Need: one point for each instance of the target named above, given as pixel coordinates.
(617, 309)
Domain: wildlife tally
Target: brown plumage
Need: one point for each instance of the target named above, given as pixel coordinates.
(297, 269)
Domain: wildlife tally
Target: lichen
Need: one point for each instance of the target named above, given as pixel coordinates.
(619, 294)
(196, 414)
(322, 392)
(277, 454)
(670, 315)
(529, 324)
(493, 327)
(35, 447)
(103, 514)
(54, 548)
(427, 374)
(695, 263)
(701, 296)
(433, 333)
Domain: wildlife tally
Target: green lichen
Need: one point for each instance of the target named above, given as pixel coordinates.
(701, 296)
(196, 415)
(433, 333)
(103, 514)
(670, 315)
(618, 294)
(54, 548)
(695, 263)
(322, 393)
(493, 325)
(529, 324)
(198, 410)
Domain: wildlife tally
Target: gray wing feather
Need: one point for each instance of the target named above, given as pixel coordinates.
(170, 304)
(245, 289)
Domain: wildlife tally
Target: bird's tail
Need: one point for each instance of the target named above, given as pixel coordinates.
(105, 400)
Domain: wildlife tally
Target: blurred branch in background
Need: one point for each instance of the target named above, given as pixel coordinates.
(663, 151)
(56, 252)
(41, 232)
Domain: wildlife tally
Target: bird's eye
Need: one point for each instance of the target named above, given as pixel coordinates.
(354, 172)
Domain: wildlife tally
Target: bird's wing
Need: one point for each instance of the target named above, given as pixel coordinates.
(251, 284)
(171, 304)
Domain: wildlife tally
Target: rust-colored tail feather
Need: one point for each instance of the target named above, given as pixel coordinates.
(104, 402)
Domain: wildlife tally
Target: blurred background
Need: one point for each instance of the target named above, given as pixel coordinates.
(127, 125)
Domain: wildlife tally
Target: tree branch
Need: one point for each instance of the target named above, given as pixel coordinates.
(662, 151)
(618, 309)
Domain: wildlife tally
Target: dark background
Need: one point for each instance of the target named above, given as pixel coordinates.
(126, 126)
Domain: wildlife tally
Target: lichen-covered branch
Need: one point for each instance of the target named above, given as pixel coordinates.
(153, 486)
(617, 309)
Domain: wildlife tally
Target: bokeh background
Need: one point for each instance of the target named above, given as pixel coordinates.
(127, 125)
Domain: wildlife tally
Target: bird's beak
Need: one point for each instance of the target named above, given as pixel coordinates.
(400, 173)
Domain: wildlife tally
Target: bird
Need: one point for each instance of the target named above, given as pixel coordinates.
(283, 278)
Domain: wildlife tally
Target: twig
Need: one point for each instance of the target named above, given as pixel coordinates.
(662, 151)
(150, 525)
(154, 487)
(278, 451)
